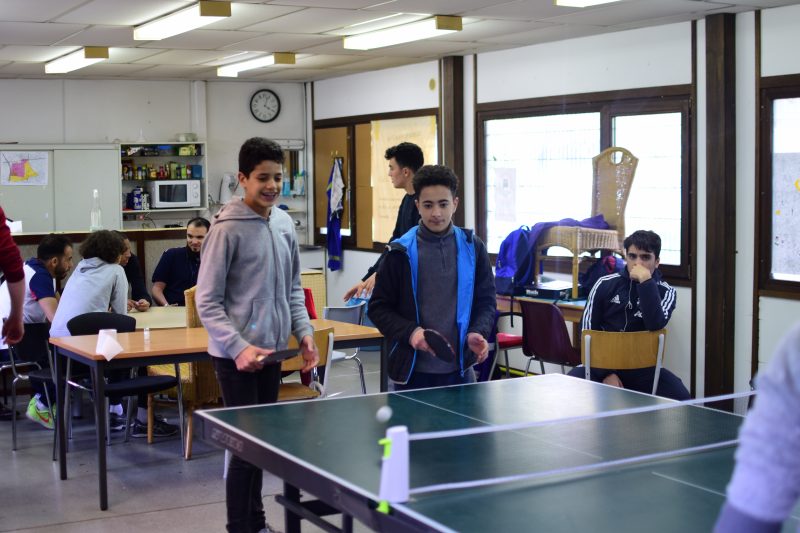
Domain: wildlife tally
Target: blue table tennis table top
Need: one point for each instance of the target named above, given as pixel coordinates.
(329, 448)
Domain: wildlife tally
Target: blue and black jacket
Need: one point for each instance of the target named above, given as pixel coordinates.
(394, 304)
(617, 303)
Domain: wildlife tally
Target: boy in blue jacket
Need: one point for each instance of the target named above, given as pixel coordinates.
(436, 276)
(635, 299)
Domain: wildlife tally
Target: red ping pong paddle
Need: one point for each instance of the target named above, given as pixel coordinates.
(277, 357)
(440, 345)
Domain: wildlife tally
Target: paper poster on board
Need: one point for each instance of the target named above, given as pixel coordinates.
(24, 168)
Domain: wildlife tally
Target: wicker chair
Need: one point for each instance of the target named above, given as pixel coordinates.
(612, 184)
(200, 386)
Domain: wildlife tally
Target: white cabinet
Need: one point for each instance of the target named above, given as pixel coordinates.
(60, 196)
(77, 173)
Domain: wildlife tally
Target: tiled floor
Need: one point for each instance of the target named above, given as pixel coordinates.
(151, 488)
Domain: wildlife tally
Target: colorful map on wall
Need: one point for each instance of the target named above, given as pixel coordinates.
(24, 168)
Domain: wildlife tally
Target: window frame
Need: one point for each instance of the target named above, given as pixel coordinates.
(676, 98)
(772, 88)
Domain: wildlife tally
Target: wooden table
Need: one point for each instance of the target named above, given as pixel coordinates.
(166, 346)
(160, 317)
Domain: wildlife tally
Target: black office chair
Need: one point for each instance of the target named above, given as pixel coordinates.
(91, 324)
(31, 360)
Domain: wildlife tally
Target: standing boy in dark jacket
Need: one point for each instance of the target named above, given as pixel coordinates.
(636, 299)
(436, 276)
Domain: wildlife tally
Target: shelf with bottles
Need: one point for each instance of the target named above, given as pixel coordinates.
(161, 161)
(143, 165)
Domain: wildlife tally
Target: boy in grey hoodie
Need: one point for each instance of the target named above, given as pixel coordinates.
(250, 300)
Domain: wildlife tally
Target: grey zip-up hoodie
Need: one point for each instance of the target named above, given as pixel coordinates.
(95, 286)
(248, 287)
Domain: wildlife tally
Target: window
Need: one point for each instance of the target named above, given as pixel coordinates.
(779, 240)
(538, 168)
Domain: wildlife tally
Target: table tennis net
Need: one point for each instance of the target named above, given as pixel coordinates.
(581, 445)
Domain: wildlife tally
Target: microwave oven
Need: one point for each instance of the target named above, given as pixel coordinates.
(174, 193)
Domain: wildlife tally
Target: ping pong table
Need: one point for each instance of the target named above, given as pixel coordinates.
(329, 450)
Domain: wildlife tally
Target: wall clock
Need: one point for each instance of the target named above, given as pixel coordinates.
(265, 105)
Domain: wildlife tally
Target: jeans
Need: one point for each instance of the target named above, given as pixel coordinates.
(641, 380)
(425, 381)
(243, 486)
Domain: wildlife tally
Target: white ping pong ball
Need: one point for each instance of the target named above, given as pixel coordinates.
(384, 414)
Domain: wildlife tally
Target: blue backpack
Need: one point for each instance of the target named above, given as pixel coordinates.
(514, 267)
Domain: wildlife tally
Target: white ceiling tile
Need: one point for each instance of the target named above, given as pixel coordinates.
(34, 53)
(177, 71)
(243, 15)
(35, 70)
(36, 33)
(481, 29)
(378, 21)
(437, 7)
(626, 12)
(122, 12)
(283, 42)
(522, 9)
(36, 11)
(102, 36)
(343, 4)
(183, 57)
(130, 55)
(314, 20)
(203, 39)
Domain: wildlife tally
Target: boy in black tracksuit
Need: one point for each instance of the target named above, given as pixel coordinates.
(636, 299)
(435, 276)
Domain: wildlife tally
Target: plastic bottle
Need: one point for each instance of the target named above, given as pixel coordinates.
(96, 215)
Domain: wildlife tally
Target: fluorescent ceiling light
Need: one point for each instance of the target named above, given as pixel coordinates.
(195, 16)
(78, 59)
(581, 3)
(405, 33)
(278, 58)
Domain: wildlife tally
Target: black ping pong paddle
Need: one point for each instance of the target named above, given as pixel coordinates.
(440, 345)
(277, 357)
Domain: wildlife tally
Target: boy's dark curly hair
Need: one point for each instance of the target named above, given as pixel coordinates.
(105, 244)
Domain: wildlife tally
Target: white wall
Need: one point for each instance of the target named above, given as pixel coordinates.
(745, 197)
(98, 111)
(381, 91)
(589, 64)
(230, 122)
(699, 265)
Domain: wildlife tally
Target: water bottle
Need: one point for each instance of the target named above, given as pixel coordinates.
(96, 222)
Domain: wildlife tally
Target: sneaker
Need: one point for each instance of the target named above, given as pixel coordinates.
(38, 413)
(160, 428)
(116, 422)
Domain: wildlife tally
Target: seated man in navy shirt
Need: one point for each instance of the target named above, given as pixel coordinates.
(177, 269)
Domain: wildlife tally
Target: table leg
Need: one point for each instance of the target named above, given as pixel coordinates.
(98, 386)
(61, 424)
(291, 520)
